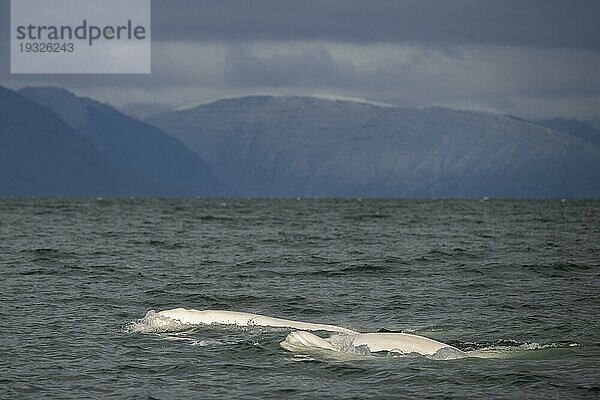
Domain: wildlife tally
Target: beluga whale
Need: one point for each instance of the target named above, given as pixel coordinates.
(221, 317)
(403, 344)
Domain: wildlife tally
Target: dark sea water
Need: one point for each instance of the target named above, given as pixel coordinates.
(515, 282)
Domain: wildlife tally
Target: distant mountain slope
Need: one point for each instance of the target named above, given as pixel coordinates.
(40, 155)
(573, 127)
(304, 146)
(142, 111)
(131, 144)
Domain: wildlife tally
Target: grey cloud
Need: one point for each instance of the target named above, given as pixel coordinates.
(531, 23)
(465, 69)
(312, 67)
(493, 78)
(540, 23)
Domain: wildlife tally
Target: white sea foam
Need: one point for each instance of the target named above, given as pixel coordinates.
(344, 344)
(153, 322)
(503, 351)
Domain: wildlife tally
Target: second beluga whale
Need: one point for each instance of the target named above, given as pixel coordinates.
(369, 343)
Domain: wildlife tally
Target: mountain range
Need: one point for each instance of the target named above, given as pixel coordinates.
(41, 155)
(142, 152)
(54, 143)
(285, 146)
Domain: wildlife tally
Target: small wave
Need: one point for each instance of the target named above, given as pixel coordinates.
(508, 348)
(557, 269)
(366, 216)
(209, 217)
(47, 254)
(192, 341)
(42, 251)
(359, 269)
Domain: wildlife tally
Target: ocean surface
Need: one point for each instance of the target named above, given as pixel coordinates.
(516, 283)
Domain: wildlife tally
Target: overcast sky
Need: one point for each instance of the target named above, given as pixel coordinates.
(536, 58)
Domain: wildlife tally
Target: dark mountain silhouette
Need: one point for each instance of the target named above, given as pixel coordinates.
(306, 146)
(132, 145)
(41, 155)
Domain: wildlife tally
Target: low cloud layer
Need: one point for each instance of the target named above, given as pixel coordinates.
(532, 23)
(532, 59)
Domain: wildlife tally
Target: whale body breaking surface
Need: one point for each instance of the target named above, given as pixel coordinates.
(300, 340)
(371, 343)
(209, 317)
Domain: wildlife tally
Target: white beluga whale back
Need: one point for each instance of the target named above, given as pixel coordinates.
(403, 343)
(208, 317)
(397, 343)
